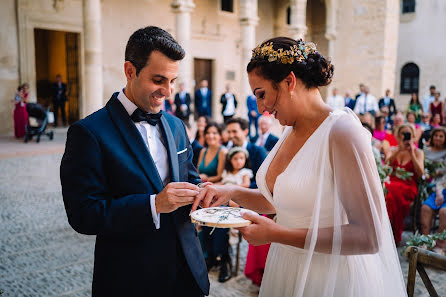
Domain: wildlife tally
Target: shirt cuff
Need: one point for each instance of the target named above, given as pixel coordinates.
(155, 215)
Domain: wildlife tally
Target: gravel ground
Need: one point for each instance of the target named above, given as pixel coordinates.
(40, 255)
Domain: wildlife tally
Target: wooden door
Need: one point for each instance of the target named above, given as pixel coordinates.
(72, 58)
(203, 71)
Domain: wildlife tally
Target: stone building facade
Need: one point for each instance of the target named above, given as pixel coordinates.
(84, 40)
(421, 44)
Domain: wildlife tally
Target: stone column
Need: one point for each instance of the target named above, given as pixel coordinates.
(248, 23)
(298, 27)
(93, 57)
(182, 10)
(330, 32)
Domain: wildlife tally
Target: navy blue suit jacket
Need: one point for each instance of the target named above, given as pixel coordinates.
(269, 143)
(199, 99)
(107, 176)
(256, 155)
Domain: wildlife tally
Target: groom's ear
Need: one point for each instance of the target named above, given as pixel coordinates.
(129, 70)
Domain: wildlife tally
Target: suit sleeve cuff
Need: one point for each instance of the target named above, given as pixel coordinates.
(155, 215)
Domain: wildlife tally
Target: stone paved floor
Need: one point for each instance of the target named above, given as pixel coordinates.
(40, 255)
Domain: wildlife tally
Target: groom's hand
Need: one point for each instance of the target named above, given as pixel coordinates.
(174, 196)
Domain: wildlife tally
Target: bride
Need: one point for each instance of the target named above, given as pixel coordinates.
(332, 235)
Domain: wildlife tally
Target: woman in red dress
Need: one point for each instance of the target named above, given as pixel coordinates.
(436, 107)
(401, 193)
(20, 114)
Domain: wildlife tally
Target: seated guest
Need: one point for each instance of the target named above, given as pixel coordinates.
(436, 121)
(196, 146)
(238, 133)
(211, 165)
(411, 118)
(266, 139)
(426, 122)
(401, 193)
(390, 140)
(436, 203)
(385, 113)
(380, 128)
(202, 122)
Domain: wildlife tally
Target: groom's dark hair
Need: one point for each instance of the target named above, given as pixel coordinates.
(148, 39)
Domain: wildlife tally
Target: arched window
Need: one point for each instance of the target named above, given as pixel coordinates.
(288, 15)
(227, 5)
(408, 6)
(410, 75)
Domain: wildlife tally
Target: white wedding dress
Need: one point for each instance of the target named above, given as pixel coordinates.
(331, 187)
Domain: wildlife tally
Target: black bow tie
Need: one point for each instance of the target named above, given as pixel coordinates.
(140, 116)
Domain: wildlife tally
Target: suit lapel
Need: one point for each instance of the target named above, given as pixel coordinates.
(136, 144)
(171, 149)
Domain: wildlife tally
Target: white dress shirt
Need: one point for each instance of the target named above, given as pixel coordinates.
(366, 103)
(336, 102)
(230, 105)
(153, 140)
(427, 100)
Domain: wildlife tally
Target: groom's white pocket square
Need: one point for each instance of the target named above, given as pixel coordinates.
(182, 151)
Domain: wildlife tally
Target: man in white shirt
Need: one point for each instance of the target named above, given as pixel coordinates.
(336, 101)
(429, 98)
(127, 177)
(229, 103)
(366, 103)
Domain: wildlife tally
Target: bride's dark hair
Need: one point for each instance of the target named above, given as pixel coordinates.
(314, 71)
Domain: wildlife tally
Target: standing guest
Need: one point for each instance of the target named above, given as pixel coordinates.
(436, 107)
(202, 122)
(59, 99)
(388, 102)
(196, 146)
(366, 103)
(238, 134)
(429, 98)
(416, 107)
(20, 113)
(169, 106)
(211, 165)
(410, 117)
(401, 193)
(435, 203)
(266, 139)
(182, 104)
(361, 91)
(349, 101)
(25, 87)
(335, 101)
(229, 103)
(203, 100)
(253, 115)
(127, 177)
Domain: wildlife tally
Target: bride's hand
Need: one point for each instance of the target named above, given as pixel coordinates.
(260, 231)
(212, 195)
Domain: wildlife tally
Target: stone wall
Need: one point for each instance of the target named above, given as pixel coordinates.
(421, 41)
(9, 63)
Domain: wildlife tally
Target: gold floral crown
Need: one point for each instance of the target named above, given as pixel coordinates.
(297, 52)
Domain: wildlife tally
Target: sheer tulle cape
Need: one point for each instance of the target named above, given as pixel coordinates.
(350, 245)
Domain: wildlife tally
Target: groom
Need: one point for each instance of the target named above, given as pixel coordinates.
(127, 177)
